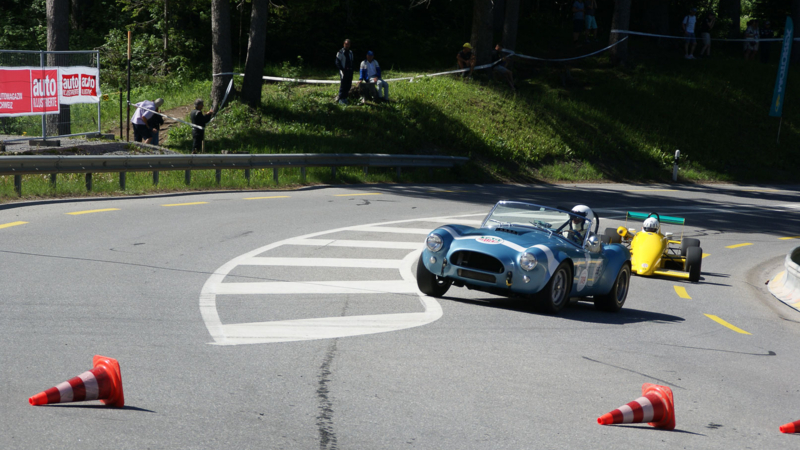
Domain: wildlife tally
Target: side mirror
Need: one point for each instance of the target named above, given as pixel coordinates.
(593, 244)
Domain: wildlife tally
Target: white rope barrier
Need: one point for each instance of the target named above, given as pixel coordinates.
(664, 36)
(568, 59)
(164, 115)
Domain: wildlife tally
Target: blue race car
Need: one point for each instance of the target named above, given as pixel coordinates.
(530, 251)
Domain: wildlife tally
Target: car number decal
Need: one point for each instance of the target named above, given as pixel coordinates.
(584, 273)
(489, 240)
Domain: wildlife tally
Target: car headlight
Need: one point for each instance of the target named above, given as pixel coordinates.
(527, 261)
(434, 243)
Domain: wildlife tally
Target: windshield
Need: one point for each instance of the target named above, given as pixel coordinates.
(571, 227)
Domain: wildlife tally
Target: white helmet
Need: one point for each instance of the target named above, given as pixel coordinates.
(585, 211)
(650, 225)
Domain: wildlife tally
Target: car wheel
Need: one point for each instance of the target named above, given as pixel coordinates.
(612, 236)
(430, 284)
(688, 243)
(694, 259)
(615, 298)
(555, 294)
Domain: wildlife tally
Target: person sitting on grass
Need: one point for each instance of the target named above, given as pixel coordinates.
(466, 58)
(501, 68)
(371, 73)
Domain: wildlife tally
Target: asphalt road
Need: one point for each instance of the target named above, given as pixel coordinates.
(287, 320)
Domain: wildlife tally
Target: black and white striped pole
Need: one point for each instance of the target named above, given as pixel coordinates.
(675, 165)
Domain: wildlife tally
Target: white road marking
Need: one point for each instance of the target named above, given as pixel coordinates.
(320, 328)
(353, 243)
(317, 287)
(397, 230)
(324, 262)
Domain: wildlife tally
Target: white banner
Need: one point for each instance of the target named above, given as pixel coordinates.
(78, 84)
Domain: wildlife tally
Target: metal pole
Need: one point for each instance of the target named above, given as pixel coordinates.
(98, 86)
(44, 121)
(121, 137)
(779, 130)
(128, 133)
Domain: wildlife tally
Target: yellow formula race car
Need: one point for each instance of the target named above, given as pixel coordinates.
(657, 253)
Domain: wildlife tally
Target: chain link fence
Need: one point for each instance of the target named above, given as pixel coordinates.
(71, 120)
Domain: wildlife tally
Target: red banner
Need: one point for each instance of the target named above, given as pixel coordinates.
(28, 91)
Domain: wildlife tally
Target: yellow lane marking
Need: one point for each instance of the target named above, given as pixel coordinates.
(12, 224)
(437, 192)
(77, 213)
(651, 190)
(726, 324)
(353, 195)
(681, 291)
(186, 204)
(777, 277)
(739, 245)
(275, 196)
(790, 237)
(706, 254)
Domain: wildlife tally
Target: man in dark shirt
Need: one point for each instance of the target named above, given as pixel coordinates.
(198, 118)
(465, 58)
(706, 25)
(502, 68)
(766, 32)
(344, 62)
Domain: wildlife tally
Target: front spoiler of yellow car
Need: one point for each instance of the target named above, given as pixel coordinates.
(672, 273)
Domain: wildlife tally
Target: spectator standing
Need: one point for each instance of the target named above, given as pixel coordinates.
(344, 62)
(502, 67)
(591, 22)
(371, 73)
(705, 33)
(751, 43)
(688, 31)
(142, 131)
(765, 49)
(198, 118)
(466, 58)
(155, 122)
(578, 24)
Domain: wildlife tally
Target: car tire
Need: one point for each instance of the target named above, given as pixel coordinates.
(555, 294)
(429, 283)
(613, 301)
(613, 237)
(688, 243)
(694, 259)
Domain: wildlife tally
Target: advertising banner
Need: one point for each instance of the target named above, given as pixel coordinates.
(26, 91)
(779, 94)
(79, 84)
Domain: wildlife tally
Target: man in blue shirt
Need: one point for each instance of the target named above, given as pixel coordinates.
(578, 24)
(371, 73)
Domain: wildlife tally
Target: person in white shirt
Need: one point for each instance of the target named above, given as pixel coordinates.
(688, 31)
(141, 129)
(371, 73)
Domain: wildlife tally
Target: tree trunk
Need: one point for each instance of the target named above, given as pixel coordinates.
(254, 67)
(58, 40)
(796, 23)
(510, 24)
(482, 31)
(221, 60)
(621, 21)
(731, 11)
(656, 19)
(166, 36)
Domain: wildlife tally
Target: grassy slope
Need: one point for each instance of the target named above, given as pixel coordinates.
(608, 124)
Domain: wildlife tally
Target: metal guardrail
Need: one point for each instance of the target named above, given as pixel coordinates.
(786, 285)
(41, 164)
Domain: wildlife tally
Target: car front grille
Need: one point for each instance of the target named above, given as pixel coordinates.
(477, 261)
(465, 273)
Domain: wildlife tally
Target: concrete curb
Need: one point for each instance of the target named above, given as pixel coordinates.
(786, 285)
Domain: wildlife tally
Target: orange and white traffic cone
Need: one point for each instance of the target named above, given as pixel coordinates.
(103, 382)
(655, 406)
(791, 427)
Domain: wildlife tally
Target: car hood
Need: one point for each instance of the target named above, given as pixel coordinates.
(514, 237)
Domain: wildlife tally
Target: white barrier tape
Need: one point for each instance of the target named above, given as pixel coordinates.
(698, 37)
(164, 115)
(227, 91)
(567, 59)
